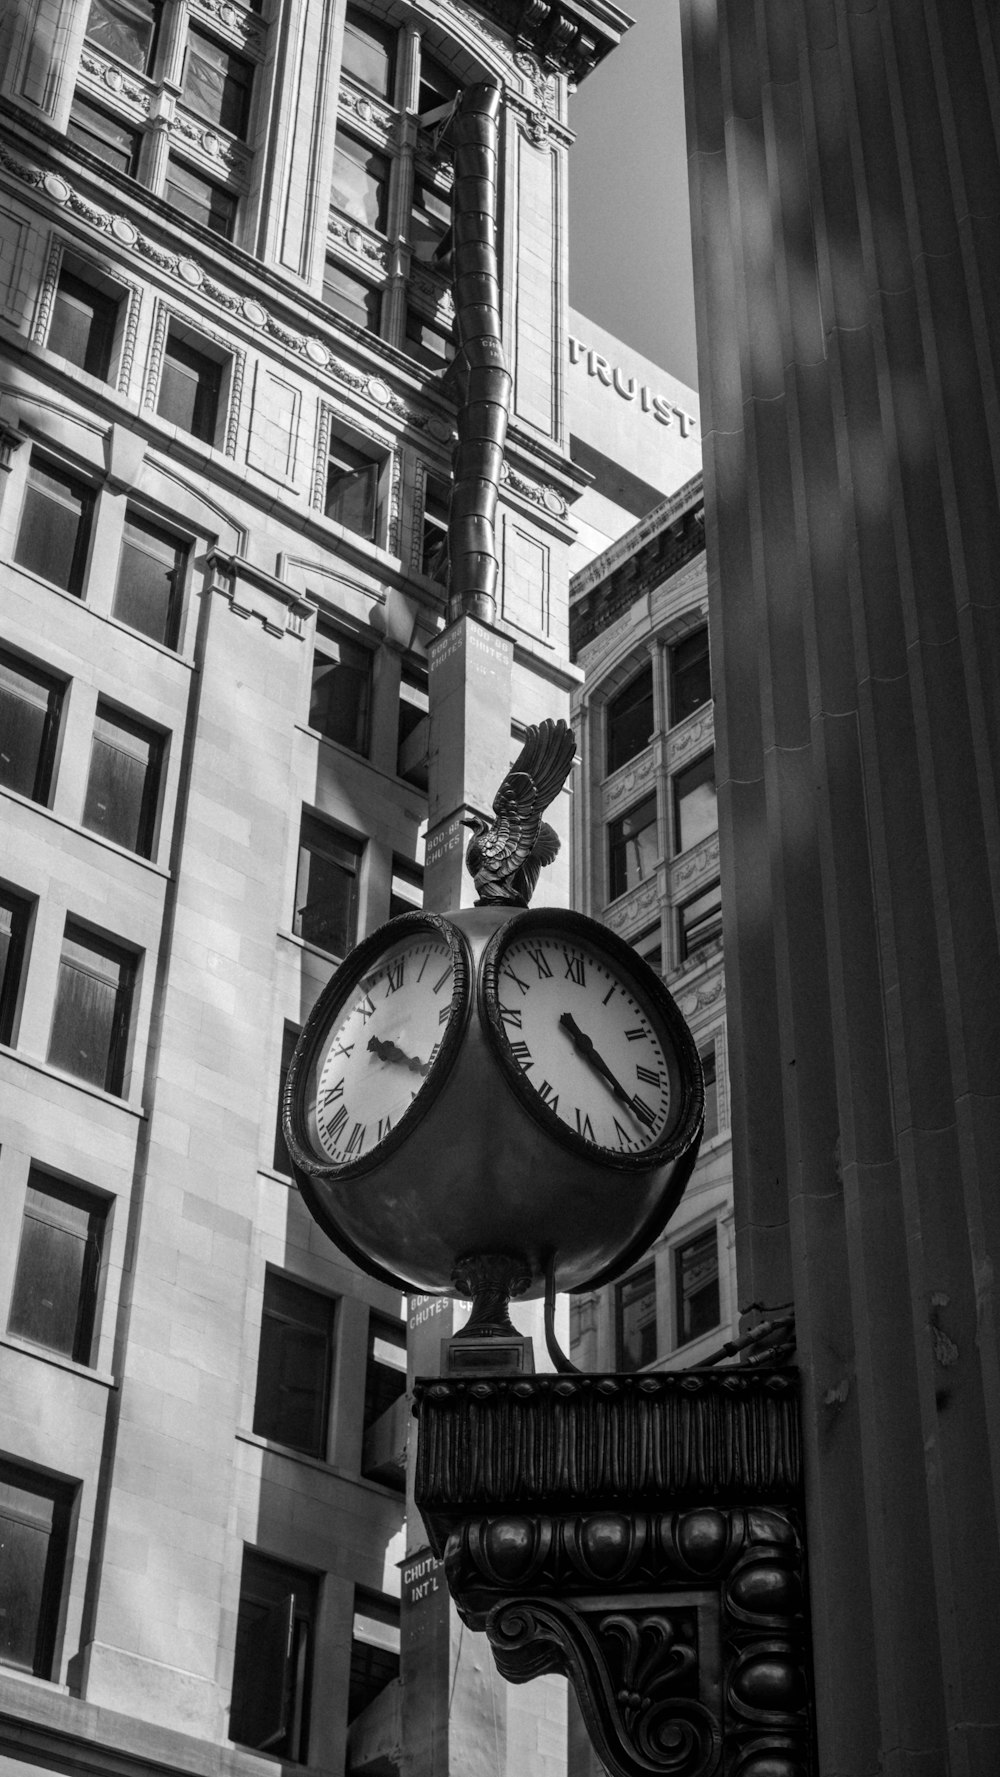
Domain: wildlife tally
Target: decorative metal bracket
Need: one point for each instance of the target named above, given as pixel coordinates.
(641, 1535)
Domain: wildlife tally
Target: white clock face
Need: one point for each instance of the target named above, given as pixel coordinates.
(379, 1054)
(585, 1040)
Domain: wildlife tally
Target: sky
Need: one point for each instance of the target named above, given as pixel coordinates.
(630, 242)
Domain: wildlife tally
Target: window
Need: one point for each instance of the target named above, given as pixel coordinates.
(360, 181)
(93, 1006)
(54, 532)
(341, 690)
(690, 679)
(293, 1368)
(630, 720)
(124, 782)
(352, 488)
(326, 894)
(708, 1070)
(696, 1286)
(649, 945)
(289, 1038)
(200, 198)
(217, 83)
(150, 579)
(351, 296)
(701, 921)
(412, 734)
(434, 537)
(58, 1267)
(190, 387)
(103, 135)
(83, 325)
(632, 847)
(635, 1306)
(30, 705)
(272, 1673)
(430, 220)
(437, 86)
(429, 344)
(695, 809)
(125, 29)
(374, 1649)
(35, 1515)
(369, 52)
(407, 888)
(385, 1376)
(15, 918)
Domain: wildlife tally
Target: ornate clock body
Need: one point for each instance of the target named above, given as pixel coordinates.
(489, 1082)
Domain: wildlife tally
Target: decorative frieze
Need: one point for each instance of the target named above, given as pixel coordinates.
(98, 72)
(371, 249)
(629, 783)
(371, 113)
(537, 493)
(696, 866)
(692, 737)
(223, 152)
(237, 21)
(635, 909)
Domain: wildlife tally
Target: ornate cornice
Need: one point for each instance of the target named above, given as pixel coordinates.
(570, 35)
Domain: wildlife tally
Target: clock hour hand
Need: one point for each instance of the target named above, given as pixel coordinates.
(388, 1051)
(585, 1047)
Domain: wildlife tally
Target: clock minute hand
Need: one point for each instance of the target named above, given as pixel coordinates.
(388, 1051)
(585, 1046)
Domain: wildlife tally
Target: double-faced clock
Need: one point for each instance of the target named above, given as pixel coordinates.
(493, 1082)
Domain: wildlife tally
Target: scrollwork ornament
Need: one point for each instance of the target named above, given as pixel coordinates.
(626, 1670)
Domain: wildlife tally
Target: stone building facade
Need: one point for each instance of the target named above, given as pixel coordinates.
(225, 433)
(647, 864)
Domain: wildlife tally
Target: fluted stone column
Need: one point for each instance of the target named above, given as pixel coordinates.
(845, 181)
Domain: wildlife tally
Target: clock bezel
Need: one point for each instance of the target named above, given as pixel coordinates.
(317, 1028)
(687, 1086)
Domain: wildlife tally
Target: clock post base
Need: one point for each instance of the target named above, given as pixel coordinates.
(491, 1356)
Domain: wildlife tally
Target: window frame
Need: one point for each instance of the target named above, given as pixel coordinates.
(147, 817)
(278, 1318)
(686, 950)
(105, 292)
(270, 1574)
(240, 129)
(141, 519)
(148, 62)
(708, 1055)
(676, 674)
(696, 774)
(281, 1160)
(180, 340)
(638, 1283)
(120, 1026)
(686, 1242)
(87, 137)
(319, 826)
(41, 463)
(371, 469)
(380, 1608)
(63, 1494)
(327, 635)
(223, 194)
(379, 1399)
(97, 1208)
(618, 842)
(21, 908)
(613, 717)
(45, 764)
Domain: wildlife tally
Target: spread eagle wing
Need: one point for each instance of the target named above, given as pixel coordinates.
(536, 776)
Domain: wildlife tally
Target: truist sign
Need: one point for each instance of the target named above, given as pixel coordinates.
(629, 389)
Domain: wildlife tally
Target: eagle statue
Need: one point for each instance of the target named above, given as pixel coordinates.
(505, 855)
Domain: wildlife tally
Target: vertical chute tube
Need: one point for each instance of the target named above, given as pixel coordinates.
(482, 415)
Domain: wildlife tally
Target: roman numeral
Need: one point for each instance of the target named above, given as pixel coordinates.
(608, 995)
(642, 1111)
(540, 961)
(336, 1124)
(511, 1016)
(584, 1126)
(366, 1007)
(439, 983)
(356, 1139)
(509, 974)
(624, 1138)
(574, 969)
(384, 1126)
(432, 1057)
(522, 1055)
(342, 1049)
(394, 972)
(444, 1014)
(547, 1096)
(647, 1074)
(334, 1092)
(636, 1035)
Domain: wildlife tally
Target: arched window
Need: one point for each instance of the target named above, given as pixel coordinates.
(630, 719)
